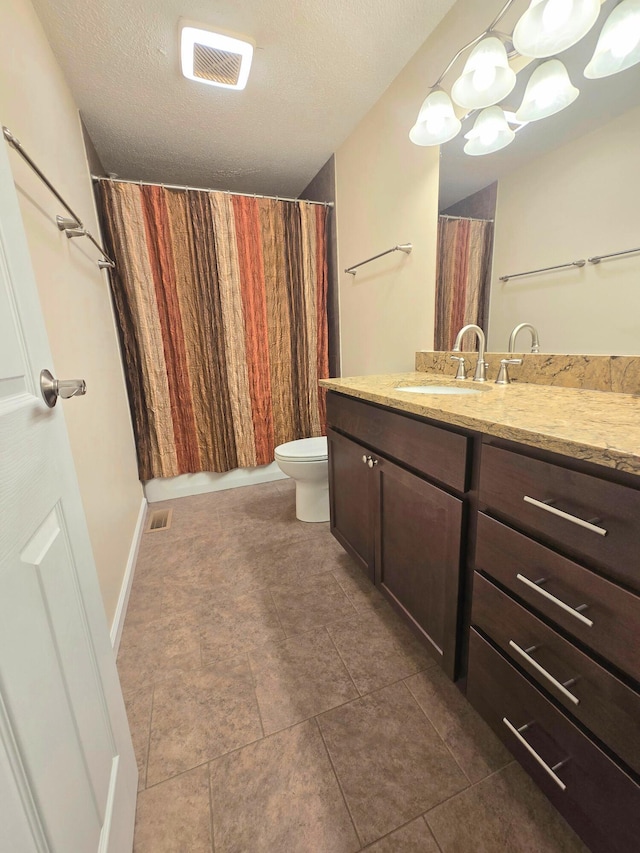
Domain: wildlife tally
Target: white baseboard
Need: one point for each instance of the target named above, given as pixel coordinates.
(168, 488)
(125, 590)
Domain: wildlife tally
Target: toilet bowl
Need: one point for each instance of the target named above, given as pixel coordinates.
(306, 462)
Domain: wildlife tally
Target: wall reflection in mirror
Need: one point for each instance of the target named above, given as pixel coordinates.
(567, 189)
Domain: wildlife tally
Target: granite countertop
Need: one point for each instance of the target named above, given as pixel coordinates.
(597, 426)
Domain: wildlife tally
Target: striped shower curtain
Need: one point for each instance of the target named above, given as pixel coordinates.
(463, 278)
(221, 306)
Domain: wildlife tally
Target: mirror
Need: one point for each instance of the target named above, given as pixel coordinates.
(567, 189)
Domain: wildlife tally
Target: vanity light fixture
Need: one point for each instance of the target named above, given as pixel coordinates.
(546, 28)
(551, 26)
(436, 123)
(548, 91)
(215, 58)
(618, 47)
(487, 77)
(489, 133)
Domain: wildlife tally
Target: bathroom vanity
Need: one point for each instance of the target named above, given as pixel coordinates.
(505, 528)
(398, 497)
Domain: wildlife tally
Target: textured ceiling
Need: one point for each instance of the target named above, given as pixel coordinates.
(317, 69)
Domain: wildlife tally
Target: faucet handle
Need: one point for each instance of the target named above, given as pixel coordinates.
(503, 374)
(461, 374)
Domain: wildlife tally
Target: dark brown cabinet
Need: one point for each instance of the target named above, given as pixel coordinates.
(535, 560)
(404, 531)
(555, 624)
(351, 486)
(417, 557)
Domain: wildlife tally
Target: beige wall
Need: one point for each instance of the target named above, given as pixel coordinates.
(37, 106)
(576, 201)
(387, 193)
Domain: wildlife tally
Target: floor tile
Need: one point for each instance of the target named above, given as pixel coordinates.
(200, 715)
(311, 603)
(175, 817)
(317, 552)
(148, 655)
(245, 565)
(391, 763)
(186, 591)
(378, 649)
(474, 746)
(280, 795)
(505, 813)
(362, 593)
(235, 625)
(414, 837)
(299, 678)
(139, 715)
(145, 600)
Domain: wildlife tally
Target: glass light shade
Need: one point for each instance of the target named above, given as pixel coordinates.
(436, 123)
(489, 133)
(486, 78)
(619, 43)
(549, 90)
(551, 26)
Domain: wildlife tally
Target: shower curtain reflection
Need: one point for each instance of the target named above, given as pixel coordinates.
(463, 278)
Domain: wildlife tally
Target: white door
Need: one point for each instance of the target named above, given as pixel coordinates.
(68, 775)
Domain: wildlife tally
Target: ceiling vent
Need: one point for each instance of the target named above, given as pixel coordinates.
(215, 58)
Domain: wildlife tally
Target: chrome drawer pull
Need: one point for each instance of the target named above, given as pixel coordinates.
(543, 672)
(566, 607)
(514, 731)
(567, 516)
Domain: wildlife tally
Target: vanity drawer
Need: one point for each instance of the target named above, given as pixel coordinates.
(594, 794)
(587, 517)
(610, 623)
(605, 705)
(438, 453)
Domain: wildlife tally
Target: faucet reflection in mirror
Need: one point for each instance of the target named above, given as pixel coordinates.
(535, 340)
(546, 28)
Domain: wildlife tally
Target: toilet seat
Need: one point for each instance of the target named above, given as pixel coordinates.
(304, 450)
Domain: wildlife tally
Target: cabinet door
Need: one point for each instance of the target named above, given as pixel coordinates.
(418, 548)
(351, 484)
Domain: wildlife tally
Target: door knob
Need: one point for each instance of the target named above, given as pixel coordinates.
(53, 388)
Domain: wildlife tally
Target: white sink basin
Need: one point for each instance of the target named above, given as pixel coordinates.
(436, 389)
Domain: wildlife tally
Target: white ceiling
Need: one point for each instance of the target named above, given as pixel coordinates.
(317, 69)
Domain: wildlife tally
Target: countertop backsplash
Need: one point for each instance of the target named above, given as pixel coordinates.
(618, 373)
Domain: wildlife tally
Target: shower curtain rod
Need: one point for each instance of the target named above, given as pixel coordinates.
(204, 190)
(468, 218)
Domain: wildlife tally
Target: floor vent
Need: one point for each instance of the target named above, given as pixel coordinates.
(159, 519)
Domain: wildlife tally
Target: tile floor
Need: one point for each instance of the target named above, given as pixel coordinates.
(277, 703)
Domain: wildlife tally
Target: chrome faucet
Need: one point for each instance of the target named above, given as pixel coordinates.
(535, 341)
(481, 367)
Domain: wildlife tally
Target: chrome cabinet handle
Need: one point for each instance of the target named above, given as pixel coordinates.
(516, 732)
(371, 462)
(543, 672)
(548, 507)
(364, 459)
(552, 598)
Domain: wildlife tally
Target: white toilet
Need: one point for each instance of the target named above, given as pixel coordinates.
(306, 462)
